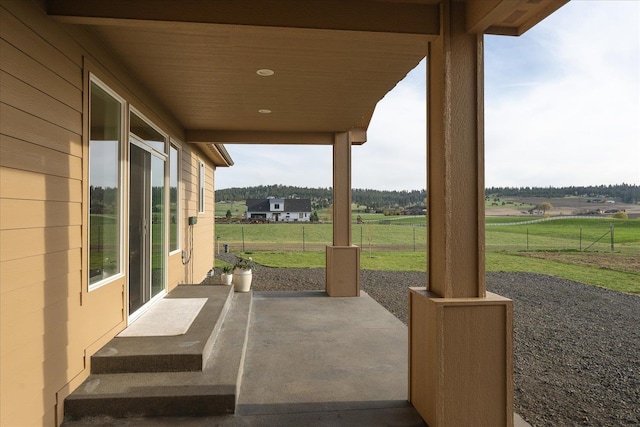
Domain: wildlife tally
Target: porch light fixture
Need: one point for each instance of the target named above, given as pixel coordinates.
(264, 111)
(265, 72)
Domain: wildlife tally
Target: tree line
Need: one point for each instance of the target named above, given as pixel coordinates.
(378, 199)
(321, 198)
(626, 193)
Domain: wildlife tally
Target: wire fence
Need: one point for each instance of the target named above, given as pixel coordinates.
(589, 236)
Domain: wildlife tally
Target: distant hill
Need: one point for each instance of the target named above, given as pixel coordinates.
(377, 199)
(623, 192)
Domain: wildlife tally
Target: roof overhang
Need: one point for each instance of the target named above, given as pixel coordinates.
(332, 60)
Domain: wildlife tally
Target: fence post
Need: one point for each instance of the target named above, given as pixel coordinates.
(611, 231)
(303, 238)
(527, 239)
(414, 238)
(242, 229)
(580, 238)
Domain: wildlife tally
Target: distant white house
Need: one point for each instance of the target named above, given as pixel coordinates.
(279, 210)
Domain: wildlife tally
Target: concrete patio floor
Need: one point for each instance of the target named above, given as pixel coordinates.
(312, 360)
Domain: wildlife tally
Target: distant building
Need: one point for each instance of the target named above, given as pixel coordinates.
(279, 210)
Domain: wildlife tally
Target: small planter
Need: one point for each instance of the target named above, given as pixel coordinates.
(242, 280)
(226, 278)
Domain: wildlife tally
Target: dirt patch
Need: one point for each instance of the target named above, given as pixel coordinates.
(618, 262)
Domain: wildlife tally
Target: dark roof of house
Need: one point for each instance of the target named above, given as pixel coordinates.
(258, 205)
(290, 205)
(297, 205)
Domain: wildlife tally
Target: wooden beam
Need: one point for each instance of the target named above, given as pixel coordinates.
(529, 21)
(507, 17)
(352, 15)
(253, 137)
(480, 15)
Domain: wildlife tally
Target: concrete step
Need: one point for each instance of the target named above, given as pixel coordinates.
(181, 353)
(212, 391)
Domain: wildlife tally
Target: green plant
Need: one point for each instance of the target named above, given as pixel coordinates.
(245, 264)
(227, 269)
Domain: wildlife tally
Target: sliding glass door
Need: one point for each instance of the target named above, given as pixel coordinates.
(147, 224)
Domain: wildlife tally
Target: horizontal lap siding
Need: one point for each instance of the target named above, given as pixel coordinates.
(48, 321)
(43, 332)
(203, 237)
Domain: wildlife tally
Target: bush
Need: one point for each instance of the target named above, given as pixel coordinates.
(621, 215)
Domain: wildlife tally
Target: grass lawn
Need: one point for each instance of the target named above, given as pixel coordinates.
(556, 245)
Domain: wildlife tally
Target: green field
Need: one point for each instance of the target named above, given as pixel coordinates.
(554, 247)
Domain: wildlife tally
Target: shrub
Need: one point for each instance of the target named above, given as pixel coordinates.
(621, 215)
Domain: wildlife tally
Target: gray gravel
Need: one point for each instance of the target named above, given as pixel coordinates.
(576, 347)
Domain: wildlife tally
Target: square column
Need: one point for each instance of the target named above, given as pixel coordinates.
(343, 271)
(342, 259)
(461, 359)
(460, 337)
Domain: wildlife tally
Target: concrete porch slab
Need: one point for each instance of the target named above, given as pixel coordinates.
(309, 353)
(313, 360)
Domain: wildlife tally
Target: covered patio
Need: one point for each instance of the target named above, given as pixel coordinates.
(164, 85)
(307, 359)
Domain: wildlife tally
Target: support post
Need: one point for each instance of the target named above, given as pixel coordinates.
(342, 258)
(460, 337)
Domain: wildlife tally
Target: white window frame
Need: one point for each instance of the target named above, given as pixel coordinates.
(201, 187)
(175, 144)
(121, 185)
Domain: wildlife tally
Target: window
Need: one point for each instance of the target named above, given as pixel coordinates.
(146, 132)
(201, 189)
(105, 189)
(276, 206)
(174, 198)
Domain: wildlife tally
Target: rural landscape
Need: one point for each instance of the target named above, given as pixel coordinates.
(569, 258)
(587, 234)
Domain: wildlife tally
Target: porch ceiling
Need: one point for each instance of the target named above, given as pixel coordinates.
(333, 59)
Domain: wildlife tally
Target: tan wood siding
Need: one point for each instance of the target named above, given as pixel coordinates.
(17, 63)
(27, 185)
(38, 43)
(38, 214)
(176, 271)
(16, 244)
(26, 127)
(49, 322)
(26, 156)
(18, 273)
(27, 98)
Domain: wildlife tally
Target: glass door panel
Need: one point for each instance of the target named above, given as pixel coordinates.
(147, 223)
(139, 204)
(158, 255)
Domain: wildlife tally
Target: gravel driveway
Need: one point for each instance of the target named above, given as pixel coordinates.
(576, 349)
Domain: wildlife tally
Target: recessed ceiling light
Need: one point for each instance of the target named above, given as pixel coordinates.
(265, 72)
(264, 111)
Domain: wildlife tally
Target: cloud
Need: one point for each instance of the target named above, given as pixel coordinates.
(304, 166)
(562, 104)
(394, 156)
(579, 124)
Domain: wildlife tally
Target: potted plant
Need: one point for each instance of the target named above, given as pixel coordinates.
(242, 274)
(227, 275)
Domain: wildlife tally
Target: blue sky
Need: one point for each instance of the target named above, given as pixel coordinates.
(562, 107)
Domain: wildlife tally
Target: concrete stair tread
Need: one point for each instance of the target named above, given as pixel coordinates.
(212, 391)
(185, 352)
